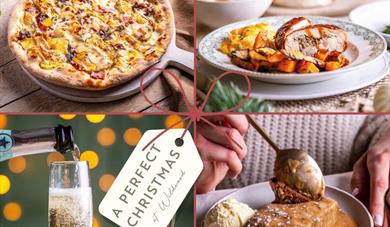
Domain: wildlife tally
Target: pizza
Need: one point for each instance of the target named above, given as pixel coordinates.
(89, 44)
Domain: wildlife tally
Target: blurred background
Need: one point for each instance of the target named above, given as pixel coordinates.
(106, 142)
(212, 14)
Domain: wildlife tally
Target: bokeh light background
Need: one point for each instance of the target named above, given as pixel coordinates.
(106, 142)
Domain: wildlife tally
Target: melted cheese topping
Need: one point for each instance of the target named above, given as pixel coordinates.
(96, 37)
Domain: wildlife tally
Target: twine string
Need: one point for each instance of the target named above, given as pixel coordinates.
(194, 114)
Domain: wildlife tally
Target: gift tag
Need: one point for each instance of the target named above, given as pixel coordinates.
(154, 182)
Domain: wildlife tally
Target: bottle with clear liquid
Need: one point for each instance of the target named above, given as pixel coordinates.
(15, 143)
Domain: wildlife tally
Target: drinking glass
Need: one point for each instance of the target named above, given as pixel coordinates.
(70, 195)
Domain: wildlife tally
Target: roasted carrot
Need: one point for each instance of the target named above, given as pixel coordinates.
(287, 66)
(332, 65)
(306, 67)
(277, 57)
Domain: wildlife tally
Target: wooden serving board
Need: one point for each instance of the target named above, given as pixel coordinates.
(174, 56)
(337, 8)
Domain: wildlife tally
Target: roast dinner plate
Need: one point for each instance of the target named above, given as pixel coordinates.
(349, 81)
(258, 195)
(364, 47)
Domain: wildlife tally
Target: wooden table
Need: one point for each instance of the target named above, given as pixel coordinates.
(19, 94)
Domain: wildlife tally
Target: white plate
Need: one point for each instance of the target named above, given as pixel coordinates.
(173, 56)
(348, 81)
(258, 195)
(363, 15)
(365, 46)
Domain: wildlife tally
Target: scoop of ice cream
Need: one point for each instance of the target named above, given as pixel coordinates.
(229, 213)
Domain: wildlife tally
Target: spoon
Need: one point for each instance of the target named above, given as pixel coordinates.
(295, 168)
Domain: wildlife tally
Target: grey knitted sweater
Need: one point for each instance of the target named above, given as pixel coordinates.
(334, 141)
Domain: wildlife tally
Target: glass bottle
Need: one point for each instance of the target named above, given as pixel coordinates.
(15, 143)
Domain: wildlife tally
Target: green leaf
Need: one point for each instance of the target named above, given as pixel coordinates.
(387, 30)
(225, 96)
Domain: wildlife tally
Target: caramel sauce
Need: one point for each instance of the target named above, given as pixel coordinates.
(342, 219)
(323, 213)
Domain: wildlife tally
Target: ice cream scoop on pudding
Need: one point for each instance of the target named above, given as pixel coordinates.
(229, 213)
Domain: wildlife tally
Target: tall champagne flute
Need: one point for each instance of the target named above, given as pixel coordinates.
(70, 195)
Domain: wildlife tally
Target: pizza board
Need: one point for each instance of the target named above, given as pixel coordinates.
(174, 56)
(337, 8)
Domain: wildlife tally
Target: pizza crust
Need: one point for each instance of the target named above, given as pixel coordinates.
(77, 79)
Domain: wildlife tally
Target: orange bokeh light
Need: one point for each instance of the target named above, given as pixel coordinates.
(173, 119)
(55, 156)
(106, 181)
(17, 164)
(132, 136)
(12, 211)
(3, 121)
(135, 115)
(106, 137)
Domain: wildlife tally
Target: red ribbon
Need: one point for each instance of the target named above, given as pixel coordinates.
(195, 114)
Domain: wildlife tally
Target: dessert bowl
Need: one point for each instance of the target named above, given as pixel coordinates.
(216, 13)
(259, 195)
(362, 15)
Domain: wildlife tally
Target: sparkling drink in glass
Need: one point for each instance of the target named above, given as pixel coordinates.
(70, 195)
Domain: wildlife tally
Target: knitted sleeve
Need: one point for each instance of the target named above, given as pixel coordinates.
(327, 138)
(374, 128)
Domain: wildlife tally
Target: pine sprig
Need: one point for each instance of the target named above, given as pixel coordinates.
(225, 96)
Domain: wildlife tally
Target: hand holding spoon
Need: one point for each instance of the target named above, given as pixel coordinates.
(295, 168)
